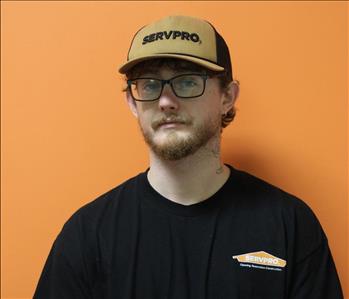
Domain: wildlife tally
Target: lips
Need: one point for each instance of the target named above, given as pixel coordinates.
(168, 122)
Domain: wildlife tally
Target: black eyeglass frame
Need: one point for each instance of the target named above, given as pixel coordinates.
(169, 82)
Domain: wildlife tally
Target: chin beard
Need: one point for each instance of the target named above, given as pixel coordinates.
(174, 148)
(177, 147)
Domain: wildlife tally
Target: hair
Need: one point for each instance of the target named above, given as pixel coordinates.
(224, 78)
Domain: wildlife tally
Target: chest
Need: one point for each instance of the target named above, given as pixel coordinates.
(217, 255)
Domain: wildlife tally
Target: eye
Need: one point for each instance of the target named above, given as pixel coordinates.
(149, 85)
(187, 82)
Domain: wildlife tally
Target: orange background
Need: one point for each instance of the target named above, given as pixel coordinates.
(67, 134)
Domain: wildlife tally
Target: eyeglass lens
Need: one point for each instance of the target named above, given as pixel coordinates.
(183, 86)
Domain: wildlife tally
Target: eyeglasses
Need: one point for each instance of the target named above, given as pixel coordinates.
(183, 86)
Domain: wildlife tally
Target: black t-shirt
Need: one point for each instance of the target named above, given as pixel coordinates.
(249, 240)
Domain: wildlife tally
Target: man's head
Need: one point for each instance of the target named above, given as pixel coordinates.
(180, 85)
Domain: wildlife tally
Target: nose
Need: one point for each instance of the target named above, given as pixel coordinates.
(168, 100)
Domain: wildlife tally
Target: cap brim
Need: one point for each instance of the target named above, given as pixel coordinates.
(207, 64)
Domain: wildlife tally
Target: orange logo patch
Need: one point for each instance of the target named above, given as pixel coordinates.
(260, 258)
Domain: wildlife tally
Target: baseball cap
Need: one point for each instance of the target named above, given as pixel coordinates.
(180, 37)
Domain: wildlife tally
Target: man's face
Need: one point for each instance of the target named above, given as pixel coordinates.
(175, 127)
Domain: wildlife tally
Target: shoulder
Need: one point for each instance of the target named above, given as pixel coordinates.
(256, 191)
(102, 210)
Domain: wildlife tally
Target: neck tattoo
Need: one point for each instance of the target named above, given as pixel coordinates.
(216, 154)
(219, 170)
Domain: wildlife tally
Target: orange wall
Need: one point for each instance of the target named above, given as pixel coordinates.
(67, 134)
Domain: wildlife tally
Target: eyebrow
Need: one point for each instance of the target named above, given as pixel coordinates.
(158, 77)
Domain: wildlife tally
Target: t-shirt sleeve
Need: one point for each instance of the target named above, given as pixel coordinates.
(314, 273)
(65, 274)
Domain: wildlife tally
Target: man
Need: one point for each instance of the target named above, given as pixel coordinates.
(189, 226)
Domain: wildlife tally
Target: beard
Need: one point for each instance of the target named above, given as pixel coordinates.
(176, 145)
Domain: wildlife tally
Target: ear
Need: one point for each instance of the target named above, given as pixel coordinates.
(132, 104)
(230, 96)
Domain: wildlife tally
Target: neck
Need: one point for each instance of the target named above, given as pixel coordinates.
(191, 179)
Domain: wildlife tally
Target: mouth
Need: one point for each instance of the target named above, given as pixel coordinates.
(171, 124)
(168, 123)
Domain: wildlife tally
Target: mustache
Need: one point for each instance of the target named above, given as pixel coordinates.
(157, 122)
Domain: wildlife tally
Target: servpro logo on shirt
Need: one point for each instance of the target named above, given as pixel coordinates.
(260, 258)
